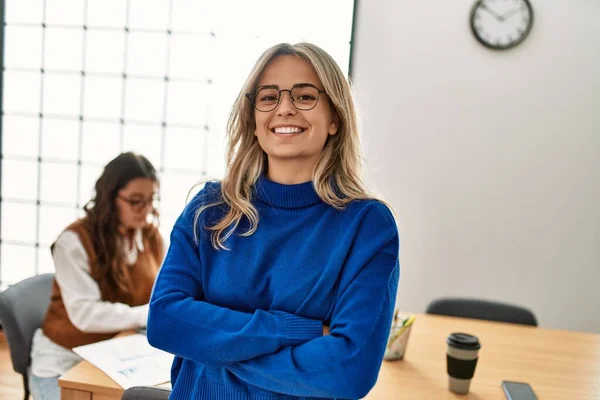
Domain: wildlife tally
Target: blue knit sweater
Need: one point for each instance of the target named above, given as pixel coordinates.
(246, 323)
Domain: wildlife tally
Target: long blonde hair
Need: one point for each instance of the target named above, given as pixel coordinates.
(336, 176)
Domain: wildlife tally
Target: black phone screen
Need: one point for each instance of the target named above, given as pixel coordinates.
(518, 391)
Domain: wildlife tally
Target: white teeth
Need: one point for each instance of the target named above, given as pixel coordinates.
(288, 129)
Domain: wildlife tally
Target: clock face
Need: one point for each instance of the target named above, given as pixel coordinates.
(501, 24)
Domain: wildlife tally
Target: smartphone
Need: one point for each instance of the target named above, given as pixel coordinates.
(518, 391)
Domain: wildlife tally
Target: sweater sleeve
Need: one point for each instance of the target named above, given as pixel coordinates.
(346, 363)
(181, 322)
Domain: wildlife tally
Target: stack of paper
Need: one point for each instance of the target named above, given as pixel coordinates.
(129, 360)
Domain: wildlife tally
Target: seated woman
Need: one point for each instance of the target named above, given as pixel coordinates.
(105, 264)
(280, 280)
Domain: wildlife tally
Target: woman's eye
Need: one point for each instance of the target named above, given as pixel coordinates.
(268, 98)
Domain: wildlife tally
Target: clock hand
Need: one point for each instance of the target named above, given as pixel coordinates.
(510, 13)
(489, 10)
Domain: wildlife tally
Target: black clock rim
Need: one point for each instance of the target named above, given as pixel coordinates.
(505, 47)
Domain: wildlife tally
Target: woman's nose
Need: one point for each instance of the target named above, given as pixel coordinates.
(286, 105)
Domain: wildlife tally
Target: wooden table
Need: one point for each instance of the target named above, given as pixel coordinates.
(557, 364)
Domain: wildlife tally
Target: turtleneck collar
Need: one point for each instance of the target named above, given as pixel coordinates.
(286, 196)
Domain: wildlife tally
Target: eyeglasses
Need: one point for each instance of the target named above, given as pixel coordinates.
(305, 96)
(139, 204)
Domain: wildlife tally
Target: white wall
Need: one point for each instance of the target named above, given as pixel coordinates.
(490, 158)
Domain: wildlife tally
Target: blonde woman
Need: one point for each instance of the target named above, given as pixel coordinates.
(280, 280)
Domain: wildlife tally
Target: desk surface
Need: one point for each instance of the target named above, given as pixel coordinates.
(557, 364)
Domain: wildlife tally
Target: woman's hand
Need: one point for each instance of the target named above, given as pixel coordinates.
(325, 330)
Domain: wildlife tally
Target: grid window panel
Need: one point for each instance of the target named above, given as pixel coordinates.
(102, 97)
(21, 91)
(19, 180)
(60, 139)
(18, 263)
(147, 54)
(64, 12)
(19, 222)
(99, 141)
(107, 13)
(24, 11)
(188, 55)
(144, 139)
(144, 99)
(62, 94)
(144, 14)
(192, 16)
(89, 176)
(46, 263)
(184, 148)
(58, 183)
(53, 220)
(20, 136)
(63, 49)
(104, 51)
(174, 190)
(187, 102)
(23, 46)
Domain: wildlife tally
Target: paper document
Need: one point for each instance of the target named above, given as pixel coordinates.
(129, 360)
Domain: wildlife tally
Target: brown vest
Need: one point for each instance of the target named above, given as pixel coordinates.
(57, 326)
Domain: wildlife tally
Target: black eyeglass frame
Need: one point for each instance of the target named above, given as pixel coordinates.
(139, 204)
(250, 96)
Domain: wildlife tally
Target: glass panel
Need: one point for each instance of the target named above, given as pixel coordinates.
(166, 226)
(53, 220)
(184, 148)
(89, 176)
(59, 183)
(24, 11)
(63, 49)
(18, 222)
(46, 264)
(104, 51)
(19, 179)
(191, 56)
(64, 12)
(23, 46)
(21, 91)
(101, 142)
(60, 139)
(147, 54)
(145, 140)
(102, 97)
(106, 13)
(62, 94)
(174, 190)
(193, 16)
(145, 14)
(144, 100)
(186, 103)
(20, 136)
(18, 263)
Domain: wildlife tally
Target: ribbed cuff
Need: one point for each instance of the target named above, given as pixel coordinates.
(298, 329)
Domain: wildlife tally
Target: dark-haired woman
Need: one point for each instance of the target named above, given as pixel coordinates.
(105, 265)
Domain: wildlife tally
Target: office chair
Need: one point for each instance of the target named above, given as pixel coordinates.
(482, 309)
(146, 393)
(22, 310)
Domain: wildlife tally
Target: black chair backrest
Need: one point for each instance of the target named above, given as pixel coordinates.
(482, 309)
(146, 393)
(23, 307)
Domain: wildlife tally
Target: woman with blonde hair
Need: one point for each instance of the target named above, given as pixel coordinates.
(280, 280)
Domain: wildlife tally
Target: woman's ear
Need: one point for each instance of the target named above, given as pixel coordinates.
(334, 124)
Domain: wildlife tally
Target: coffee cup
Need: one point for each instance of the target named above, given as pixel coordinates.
(461, 358)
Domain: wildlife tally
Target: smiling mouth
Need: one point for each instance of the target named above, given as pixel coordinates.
(288, 130)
